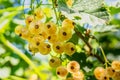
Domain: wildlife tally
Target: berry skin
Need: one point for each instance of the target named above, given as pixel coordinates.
(116, 65)
(37, 40)
(70, 3)
(110, 71)
(78, 75)
(52, 38)
(58, 47)
(98, 72)
(36, 27)
(68, 23)
(51, 28)
(69, 48)
(54, 62)
(32, 48)
(73, 67)
(61, 72)
(38, 13)
(22, 32)
(44, 48)
(29, 19)
(116, 76)
(64, 34)
(104, 76)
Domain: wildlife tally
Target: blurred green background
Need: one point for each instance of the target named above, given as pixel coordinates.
(17, 63)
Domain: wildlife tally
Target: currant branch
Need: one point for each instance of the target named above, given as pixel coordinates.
(90, 47)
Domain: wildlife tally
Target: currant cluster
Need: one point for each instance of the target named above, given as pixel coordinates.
(47, 37)
(112, 71)
(73, 68)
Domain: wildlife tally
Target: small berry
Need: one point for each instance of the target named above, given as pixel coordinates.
(54, 62)
(68, 23)
(110, 71)
(58, 47)
(29, 19)
(32, 48)
(64, 34)
(98, 72)
(69, 48)
(61, 72)
(78, 75)
(73, 67)
(38, 13)
(70, 3)
(53, 38)
(116, 65)
(44, 48)
(116, 75)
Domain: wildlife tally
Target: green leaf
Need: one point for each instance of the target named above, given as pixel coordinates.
(87, 5)
(114, 10)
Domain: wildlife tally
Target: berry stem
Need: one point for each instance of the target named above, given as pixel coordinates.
(90, 47)
(18, 52)
(53, 4)
(106, 61)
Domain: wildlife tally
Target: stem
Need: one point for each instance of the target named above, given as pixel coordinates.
(55, 11)
(106, 61)
(90, 47)
(16, 78)
(22, 55)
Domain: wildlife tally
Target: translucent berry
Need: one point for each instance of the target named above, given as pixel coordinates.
(37, 40)
(32, 48)
(58, 47)
(78, 75)
(98, 72)
(44, 48)
(116, 76)
(44, 34)
(68, 23)
(69, 48)
(65, 34)
(51, 28)
(70, 3)
(104, 76)
(61, 72)
(116, 65)
(38, 13)
(29, 19)
(54, 62)
(18, 29)
(53, 38)
(73, 67)
(36, 27)
(110, 71)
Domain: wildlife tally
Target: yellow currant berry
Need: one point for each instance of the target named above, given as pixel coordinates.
(110, 71)
(116, 65)
(69, 48)
(78, 75)
(37, 40)
(32, 48)
(51, 28)
(58, 47)
(29, 19)
(70, 3)
(68, 23)
(98, 72)
(53, 38)
(36, 27)
(54, 62)
(61, 72)
(104, 77)
(116, 76)
(18, 29)
(64, 34)
(38, 13)
(44, 48)
(44, 34)
(73, 67)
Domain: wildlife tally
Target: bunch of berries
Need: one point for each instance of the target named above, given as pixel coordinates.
(110, 72)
